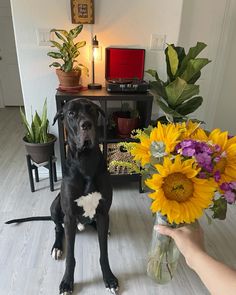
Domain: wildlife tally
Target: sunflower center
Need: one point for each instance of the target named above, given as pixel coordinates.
(220, 166)
(177, 187)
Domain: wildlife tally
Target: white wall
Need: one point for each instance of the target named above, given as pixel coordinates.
(203, 20)
(127, 23)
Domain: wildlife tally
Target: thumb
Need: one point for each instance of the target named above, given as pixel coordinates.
(164, 230)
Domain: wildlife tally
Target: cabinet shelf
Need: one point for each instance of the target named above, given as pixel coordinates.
(143, 103)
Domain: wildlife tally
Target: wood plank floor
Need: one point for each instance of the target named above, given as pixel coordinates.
(26, 266)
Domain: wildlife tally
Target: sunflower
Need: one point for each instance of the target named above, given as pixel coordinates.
(168, 134)
(178, 193)
(227, 163)
(192, 130)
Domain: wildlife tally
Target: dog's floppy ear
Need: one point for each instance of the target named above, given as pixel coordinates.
(59, 114)
(100, 110)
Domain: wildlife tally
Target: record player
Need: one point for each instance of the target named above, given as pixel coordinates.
(124, 70)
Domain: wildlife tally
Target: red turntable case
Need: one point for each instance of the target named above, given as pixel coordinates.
(124, 70)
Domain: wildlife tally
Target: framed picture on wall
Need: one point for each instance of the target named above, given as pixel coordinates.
(82, 11)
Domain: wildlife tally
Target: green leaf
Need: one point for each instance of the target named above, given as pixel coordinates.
(173, 59)
(55, 64)
(219, 208)
(174, 90)
(56, 44)
(189, 91)
(153, 73)
(68, 66)
(55, 55)
(192, 54)
(59, 36)
(80, 44)
(158, 88)
(73, 33)
(193, 67)
(63, 32)
(167, 109)
(190, 106)
(29, 133)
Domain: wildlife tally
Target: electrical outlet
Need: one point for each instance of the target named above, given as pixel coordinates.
(158, 42)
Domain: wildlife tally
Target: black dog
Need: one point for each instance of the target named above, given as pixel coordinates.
(86, 192)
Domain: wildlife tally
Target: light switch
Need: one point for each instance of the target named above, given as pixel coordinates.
(157, 42)
(44, 36)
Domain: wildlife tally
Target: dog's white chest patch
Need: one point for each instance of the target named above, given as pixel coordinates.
(89, 203)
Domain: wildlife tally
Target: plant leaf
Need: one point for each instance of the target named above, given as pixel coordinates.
(193, 67)
(59, 36)
(153, 73)
(219, 208)
(68, 66)
(192, 54)
(189, 106)
(189, 91)
(157, 87)
(174, 90)
(80, 44)
(63, 32)
(29, 134)
(56, 44)
(73, 33)
(57, 55)
(167, 109)
(173, 59)
(55, 64)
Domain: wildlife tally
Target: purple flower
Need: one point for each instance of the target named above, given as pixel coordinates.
(225, 186)
(203, 159)
(188, 152)
(202, 175)
(232, 185)
(187, 143)
(217, 176)
(230, 197)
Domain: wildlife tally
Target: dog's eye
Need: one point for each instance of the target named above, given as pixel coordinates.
(71, 114)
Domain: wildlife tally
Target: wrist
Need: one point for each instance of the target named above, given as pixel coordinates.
(193, 258)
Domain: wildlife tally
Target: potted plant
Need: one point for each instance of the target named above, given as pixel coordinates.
(126, 120)
(69, 70)
(178, 96)
(39, 143)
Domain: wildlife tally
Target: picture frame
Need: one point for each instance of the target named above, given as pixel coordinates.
(82, 11)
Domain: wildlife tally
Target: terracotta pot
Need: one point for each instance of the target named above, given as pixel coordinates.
(69, 79)
(126, 125)
(40, 152)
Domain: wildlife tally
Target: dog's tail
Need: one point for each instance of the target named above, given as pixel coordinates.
(20, 220)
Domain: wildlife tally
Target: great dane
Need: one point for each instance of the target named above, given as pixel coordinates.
(86, 191)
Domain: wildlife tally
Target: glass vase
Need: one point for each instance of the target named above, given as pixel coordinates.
(163, 255)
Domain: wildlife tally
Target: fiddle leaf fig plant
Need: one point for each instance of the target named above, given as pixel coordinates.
(67, 50)
(178, 96)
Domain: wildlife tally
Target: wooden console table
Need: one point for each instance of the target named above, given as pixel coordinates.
(143, 103)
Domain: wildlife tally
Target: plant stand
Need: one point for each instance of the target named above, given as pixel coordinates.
(50, 165)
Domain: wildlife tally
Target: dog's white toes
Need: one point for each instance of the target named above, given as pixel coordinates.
(67, 293)
(56, 254)
(113, 290)
(80, 227)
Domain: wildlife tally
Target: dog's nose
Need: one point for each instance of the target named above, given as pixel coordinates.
(86, 125)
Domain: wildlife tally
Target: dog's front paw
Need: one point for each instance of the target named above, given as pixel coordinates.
(56, 253)
(66, 286)
(111, 284)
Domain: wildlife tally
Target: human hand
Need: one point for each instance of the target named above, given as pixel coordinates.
(189, 239)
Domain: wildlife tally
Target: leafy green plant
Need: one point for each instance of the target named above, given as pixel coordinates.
(37, 130)
(68, 50)
(178, 96)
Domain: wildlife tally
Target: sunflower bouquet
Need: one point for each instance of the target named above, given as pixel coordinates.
(189, 172)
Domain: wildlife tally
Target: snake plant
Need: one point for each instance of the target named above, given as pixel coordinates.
(68, 50)
(37, 130)
(178, 96)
